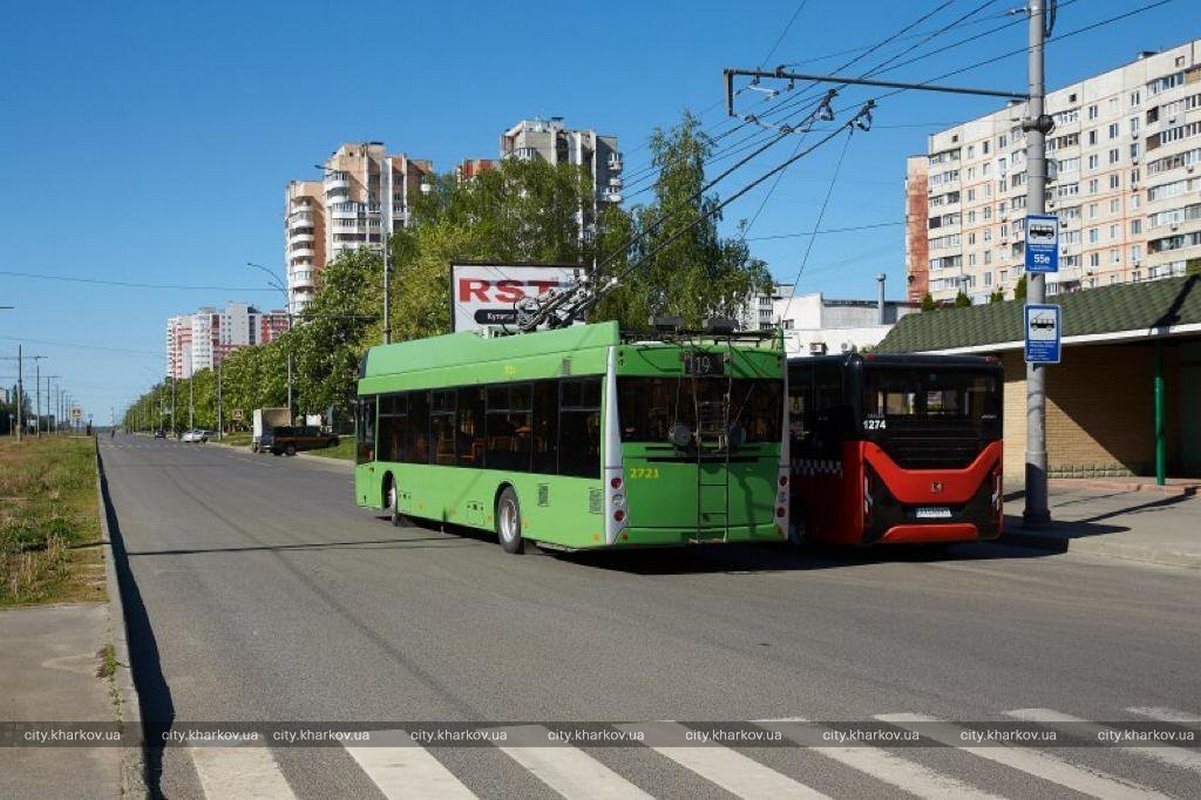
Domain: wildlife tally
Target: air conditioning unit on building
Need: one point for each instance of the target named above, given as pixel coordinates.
(817, 348)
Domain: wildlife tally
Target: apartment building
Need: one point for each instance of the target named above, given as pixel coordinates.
(363, 196)
(551, 140)
(468, 168)
(1122, 163)
(200, 340)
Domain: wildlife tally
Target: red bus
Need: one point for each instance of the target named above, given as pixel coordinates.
(895, 449)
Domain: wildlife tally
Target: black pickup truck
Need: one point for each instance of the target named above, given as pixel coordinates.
(291, 440)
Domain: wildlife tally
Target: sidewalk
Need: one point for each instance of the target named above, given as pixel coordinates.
(1128, 518)
(48, 674)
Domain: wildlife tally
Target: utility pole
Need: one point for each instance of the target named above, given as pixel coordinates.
(49, 404)
(20, 398)
(220, 422)
(1037, 125)
(172, 402)
(191, 401)
(385, 205)
(37, 394)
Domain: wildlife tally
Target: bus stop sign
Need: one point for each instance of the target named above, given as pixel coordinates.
(1042, 243)
(1042, 334)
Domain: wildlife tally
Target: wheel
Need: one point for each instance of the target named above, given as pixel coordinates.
(290, 450)
(275, 451)
(397, 518)
(508, 522)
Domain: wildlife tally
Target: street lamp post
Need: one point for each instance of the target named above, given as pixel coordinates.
(275, 283)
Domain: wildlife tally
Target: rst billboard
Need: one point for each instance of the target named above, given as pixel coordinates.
(483, 295)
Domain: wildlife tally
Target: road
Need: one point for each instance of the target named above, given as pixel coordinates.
(260, 593)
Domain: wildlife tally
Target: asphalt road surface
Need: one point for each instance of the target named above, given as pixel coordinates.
(259, 593)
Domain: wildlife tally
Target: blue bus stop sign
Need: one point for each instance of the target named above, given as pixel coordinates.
(1042, 243)
(1042, 334)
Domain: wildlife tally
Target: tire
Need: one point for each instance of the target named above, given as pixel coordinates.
(275, 451)
(508, 522)
(290, 450)
(393, 501)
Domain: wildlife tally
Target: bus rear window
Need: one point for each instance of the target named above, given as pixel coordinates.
(649, 406)
(935, 394)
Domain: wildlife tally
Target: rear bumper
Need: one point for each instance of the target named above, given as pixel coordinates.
(675, 537)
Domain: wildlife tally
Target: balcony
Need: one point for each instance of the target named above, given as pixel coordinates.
(336, 180)
(302, 251)
(615, 164)
(301, 217)
(301, 238)
(303, 279)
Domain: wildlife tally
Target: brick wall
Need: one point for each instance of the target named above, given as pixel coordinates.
(1100, 411)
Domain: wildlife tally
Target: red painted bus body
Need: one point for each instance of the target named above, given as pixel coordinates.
(896, 449)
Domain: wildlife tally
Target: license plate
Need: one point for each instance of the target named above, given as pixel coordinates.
(933, 512)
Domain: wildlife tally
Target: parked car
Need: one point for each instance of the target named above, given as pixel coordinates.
(285, 440)
(159, 433)
(195, 435)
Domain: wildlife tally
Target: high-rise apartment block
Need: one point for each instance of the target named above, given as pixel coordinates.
(202, 339)
(364, 195)
(1123, 180)
(550, 140)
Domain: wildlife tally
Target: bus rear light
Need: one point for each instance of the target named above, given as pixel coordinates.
(783, 481)
(619, 515)
(780, 510)
(616, 482)
(619, 500)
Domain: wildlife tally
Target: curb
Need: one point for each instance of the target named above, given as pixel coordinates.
(132, 758)
(1126, 552)
(1118, 485)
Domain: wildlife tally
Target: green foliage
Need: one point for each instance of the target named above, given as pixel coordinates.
(928, 302)
(686, 269)
(1192, 266)
(962, 300)
(997, 297)
(1019, 291)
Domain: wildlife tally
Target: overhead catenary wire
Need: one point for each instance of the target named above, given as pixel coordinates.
(598, 293)
(821, 214)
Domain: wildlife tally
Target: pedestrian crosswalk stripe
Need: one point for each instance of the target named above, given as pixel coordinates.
(906, 775)
(1164, 754)
(1171, 715)
(1033, 762)
(240, 772)
(728, 768)
(407, 770)
(571, 772)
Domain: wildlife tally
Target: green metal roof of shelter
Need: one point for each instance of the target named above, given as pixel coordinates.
(1167, 307)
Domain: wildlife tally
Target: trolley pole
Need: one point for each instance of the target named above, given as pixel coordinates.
(20, 398)
(1036, 124)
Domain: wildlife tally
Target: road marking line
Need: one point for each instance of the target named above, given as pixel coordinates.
(570, 771)
(249, 772)
(909, 776)
(728, 768)
(1172, 756)
(407, 770)
(1161, 714)
(1032, 762)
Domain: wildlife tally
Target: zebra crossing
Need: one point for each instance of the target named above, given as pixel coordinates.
(400, 767)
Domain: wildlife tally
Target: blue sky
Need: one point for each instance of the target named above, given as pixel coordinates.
(150, 142)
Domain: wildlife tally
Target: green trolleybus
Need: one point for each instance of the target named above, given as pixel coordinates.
(582, 437)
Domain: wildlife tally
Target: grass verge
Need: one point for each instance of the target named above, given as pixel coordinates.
(49, 522)
(343, 450)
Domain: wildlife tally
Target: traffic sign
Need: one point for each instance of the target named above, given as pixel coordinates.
(1042, 334)
(1042, 243)
(76, 413)
(237, 413)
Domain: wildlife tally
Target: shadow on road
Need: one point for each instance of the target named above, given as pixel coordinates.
(154, 695)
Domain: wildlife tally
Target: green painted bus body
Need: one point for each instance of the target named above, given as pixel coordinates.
(669, 499)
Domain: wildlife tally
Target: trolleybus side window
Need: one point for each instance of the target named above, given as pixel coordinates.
(546, 427)
(508, 427)
(579, 428)
(417, 434)
(365, 430)
(471, 426)
(801, 416)
(442, 427)
(393, 424)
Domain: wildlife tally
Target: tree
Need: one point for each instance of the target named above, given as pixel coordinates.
(523, 211)
(928, 302)
(683, 267)
(337, 327)
(1019, 291)
(962, 300)
(997, 297)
